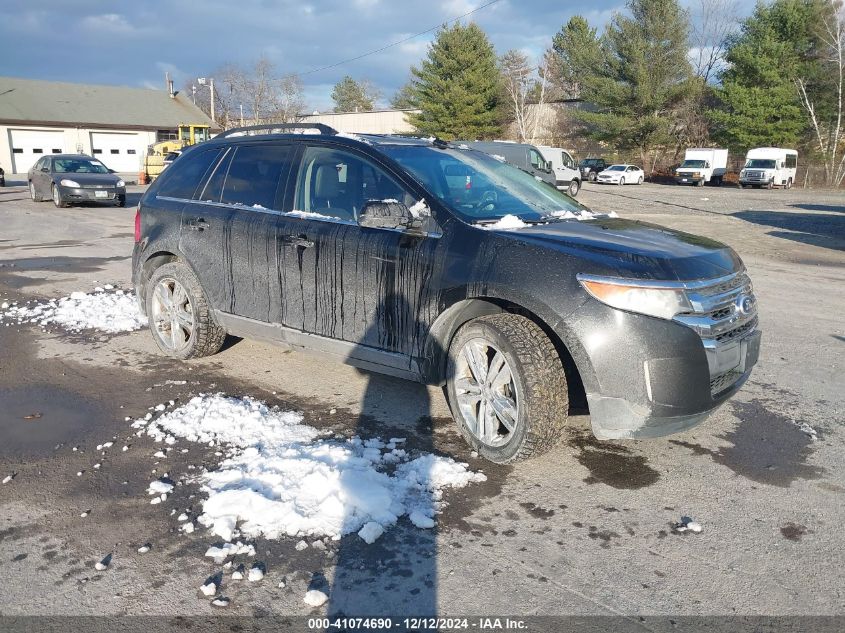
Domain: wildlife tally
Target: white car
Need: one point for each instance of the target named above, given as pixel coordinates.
(622, 175)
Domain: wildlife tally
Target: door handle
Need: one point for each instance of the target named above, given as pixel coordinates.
(298, 241)
(197, 224)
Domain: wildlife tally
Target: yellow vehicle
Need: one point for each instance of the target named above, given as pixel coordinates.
(154, 160)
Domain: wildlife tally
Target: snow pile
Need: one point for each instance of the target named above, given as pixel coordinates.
(506, 222)
(279, 477)
(104, 309)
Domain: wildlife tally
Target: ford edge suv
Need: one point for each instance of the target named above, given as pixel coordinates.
(512, 295)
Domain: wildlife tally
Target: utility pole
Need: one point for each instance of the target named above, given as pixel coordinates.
(242, 115)
(203, 81)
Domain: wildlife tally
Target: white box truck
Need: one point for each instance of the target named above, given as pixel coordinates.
(769, 167)
(701, 165)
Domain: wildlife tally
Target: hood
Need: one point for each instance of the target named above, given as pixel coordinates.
(104, 180)
(638, 250)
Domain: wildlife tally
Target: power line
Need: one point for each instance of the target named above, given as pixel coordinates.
(402, 41)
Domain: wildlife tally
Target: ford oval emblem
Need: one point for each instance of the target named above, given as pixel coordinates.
(745, 304)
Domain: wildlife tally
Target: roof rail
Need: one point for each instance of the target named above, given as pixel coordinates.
(278, 128)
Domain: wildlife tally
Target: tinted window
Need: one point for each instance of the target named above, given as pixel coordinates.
(255, 173)
(213, 190)
(791, 161)
(338, 184)
(180, 181)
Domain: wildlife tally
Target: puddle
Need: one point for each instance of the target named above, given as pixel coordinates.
(612, 464)
(766, 447)
(56, 416)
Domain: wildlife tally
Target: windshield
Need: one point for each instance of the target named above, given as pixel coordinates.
(616, 168)
(693, 163)
(760, 163)
(480, 188)
(79, 166)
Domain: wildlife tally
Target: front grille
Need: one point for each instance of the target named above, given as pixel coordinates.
(723, 313)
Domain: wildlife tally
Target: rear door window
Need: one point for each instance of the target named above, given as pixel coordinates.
(257, 175)
(182, 180)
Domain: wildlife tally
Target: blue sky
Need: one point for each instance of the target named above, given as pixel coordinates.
(134, 43)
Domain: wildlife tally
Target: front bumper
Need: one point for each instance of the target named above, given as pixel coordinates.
(606, 180)
(85, 194)
(646, 377)
(687, 179)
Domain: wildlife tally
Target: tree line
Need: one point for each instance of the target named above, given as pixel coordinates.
(655, 80)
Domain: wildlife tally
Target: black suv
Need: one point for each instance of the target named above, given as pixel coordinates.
(592, 167)
(518, 299)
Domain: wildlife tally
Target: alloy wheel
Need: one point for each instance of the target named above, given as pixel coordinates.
(172, 315)
(32, 191)
(486, 392)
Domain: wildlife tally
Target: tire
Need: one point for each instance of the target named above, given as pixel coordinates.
(121, 201)
(204, 337)
(622, 181)
(770, 184)
(537, 387)
(57, 197)
(33, 193)
(789, 184)
(700, 183)
(591, 177)
(574, 188)
(640, 180)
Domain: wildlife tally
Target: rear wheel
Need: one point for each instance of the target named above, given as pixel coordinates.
(33, 193)
(506, 387)
(180, 318)
(574, 188)
(57, 198)
(640, 180)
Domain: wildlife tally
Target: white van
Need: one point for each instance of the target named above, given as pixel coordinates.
(769, 167)
(702, 165)
(567, 174)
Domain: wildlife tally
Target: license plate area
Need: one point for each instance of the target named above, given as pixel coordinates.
(101, 194)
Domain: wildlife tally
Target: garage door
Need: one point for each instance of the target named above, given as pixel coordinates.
(30, 145)
(121, 152)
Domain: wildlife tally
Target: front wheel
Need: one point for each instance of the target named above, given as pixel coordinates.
(591, 177)
(506, 387)
(621, 181)
(33, 192)
(180, 317)
(57, 198)
(121, 201)
(789, 184)
(574, 188)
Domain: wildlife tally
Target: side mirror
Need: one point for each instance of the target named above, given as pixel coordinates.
(112, 171)
(388, 214)
(45, 169)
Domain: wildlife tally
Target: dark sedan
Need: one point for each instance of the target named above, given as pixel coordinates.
(75, 178)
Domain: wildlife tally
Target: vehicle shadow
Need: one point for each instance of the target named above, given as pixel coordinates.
(836, 208)
(397, 574)
(816, 229)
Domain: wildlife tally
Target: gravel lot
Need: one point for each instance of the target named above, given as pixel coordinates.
(586, 529)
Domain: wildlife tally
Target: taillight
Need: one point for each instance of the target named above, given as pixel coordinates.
(138, 224)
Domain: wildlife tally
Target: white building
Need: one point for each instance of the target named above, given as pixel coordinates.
(369, 122)
(113, 123)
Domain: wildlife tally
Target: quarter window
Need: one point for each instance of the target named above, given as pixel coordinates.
(180, 181)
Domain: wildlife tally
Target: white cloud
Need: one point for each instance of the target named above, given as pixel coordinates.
(108, 23)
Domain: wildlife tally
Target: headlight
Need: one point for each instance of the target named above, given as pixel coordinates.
(651, 298)
(696, 174)
(67, 182)
(120, 183)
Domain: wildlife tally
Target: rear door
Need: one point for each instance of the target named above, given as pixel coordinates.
(228, 227)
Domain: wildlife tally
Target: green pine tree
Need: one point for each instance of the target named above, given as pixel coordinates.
(457, 86)
(759, 102)
(353, 96)
(634, 77)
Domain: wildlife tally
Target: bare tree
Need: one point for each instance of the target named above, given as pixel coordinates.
(828, 130)
(713, 23)
(526, 87)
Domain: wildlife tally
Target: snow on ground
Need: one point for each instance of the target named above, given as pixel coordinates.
(279, 477)
(107, 310)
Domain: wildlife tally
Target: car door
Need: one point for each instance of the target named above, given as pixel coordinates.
(228, 227)
(367, 286)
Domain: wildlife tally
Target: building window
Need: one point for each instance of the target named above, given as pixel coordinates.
(37, 150)
(57, 151)
(115, 151)
(17, 150)
(98, 151)
(130, 151)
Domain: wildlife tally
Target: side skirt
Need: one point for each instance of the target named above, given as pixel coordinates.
(361, 356)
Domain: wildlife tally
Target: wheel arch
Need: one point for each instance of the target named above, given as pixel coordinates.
(453, 318)
(153, 262)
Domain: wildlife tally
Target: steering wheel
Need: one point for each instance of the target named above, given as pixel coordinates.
(488, 201)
